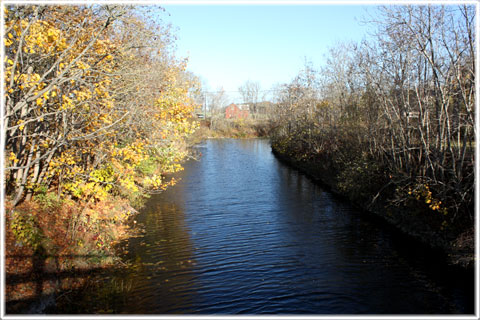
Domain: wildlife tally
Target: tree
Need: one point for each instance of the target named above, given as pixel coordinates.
(217, 101)
(250, 91)
(402, 102)
(92, 92)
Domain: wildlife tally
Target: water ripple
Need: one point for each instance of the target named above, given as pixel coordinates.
(241, 233)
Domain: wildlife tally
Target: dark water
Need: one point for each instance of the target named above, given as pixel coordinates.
(243, 233)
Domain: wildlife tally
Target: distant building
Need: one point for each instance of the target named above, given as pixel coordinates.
(233, 111)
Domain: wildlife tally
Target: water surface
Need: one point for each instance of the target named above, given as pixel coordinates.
(243, 233)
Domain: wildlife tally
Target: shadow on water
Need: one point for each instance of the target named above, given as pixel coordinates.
(47, 287)
(370, 240)
(162, 261)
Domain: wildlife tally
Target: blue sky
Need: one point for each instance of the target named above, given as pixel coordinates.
(230, 44)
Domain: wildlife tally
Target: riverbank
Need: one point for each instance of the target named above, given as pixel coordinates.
(415, 221)
(54, 247)
(230, 129)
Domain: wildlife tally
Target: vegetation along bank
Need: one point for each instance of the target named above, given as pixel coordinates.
(389, 124)
(97, 112)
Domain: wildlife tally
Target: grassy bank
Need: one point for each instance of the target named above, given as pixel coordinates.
(230, 128)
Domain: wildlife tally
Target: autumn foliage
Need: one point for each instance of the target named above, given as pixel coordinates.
(97, 110)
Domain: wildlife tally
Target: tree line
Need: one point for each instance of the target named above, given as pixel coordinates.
(394, 114)
(94, 94)
(97, 112)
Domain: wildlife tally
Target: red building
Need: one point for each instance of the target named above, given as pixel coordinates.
(237, 112)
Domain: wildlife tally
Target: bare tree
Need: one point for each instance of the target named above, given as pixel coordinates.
(402, 101)
(217, 101)
(250, 91)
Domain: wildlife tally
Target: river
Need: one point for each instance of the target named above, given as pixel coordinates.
(243, 233)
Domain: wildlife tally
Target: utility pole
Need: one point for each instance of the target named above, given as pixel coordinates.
(205, 106)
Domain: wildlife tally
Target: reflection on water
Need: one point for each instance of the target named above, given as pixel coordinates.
(242, 233)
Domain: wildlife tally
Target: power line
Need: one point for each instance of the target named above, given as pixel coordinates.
(269, 90)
